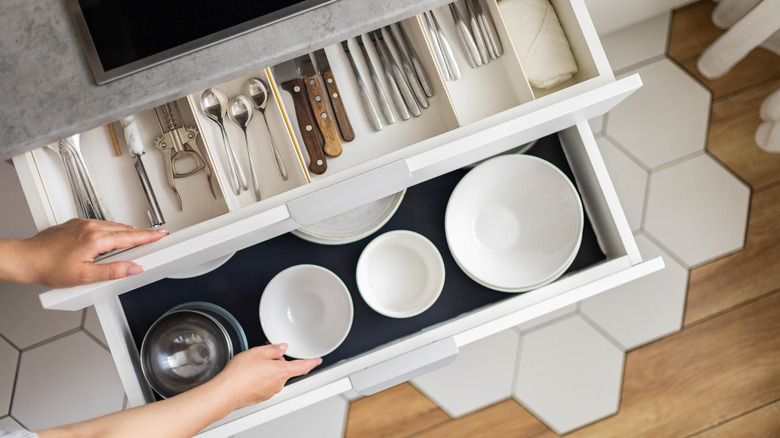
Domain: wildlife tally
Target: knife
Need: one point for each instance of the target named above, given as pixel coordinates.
(365, 98)
(392, 39)
(422, 75)
(289, 76)
(319, 107)
(323, 68)
(406, 92)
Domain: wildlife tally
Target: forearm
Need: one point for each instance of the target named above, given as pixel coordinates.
(13, 267)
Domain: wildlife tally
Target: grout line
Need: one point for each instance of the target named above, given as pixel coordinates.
(666, 249)
(547, 323)
(83, 317)
(748, 88)
(679, 160)
(729, 420)
(98, 341)
(16, 347)
(730, 309)
(627, 152)
(516, 372)
(641, 64)
(52, 339)
(602, 332)
(645, 202)
(12, 397)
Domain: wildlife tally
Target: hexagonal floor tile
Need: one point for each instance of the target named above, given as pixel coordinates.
(544, 319)
(644, 309)
(9, 356)
(15, 215)
(698, 210)
(484, 371)
(67, 380)
(637, 43)
(9, 424)
(630, 181)
(326, 419)
(92, 325)
(569, 375)
(24, 322)
(664, 120)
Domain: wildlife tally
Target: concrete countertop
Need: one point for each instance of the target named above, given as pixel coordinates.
(48, 91)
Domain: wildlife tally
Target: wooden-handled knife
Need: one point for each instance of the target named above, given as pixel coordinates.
(319, 106)
(323, 68)
(289, 76)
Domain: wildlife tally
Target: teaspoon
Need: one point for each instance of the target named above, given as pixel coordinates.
(257, 91)
(214, 104)
(240, 112)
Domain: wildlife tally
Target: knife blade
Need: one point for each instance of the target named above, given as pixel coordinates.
(289, 77)
(323, 68)
(331, 141)
(365, 98)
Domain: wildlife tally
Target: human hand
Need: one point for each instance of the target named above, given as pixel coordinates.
(61, 256)
(257, 374)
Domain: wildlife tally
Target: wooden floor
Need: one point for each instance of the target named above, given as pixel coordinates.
(720, 375)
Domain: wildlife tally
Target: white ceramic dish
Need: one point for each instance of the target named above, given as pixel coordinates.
(400, 274)
(309, 308)
(514, 223)
(352, 225)
(197, 271)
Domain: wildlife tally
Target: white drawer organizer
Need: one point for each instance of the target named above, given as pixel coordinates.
(489, 110)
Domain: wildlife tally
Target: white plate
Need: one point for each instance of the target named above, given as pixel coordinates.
(400, 274)
(352, 225)
(514, 223)
(307, 307)
(197, 271)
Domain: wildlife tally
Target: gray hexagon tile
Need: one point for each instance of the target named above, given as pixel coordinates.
(9, 356)
(24, 322)
(644, 309)
(15, 215)
(326, 419)
(664, 120)
(698, 210)
(544, 319)
(629, 178)
(67, 380)
(483, 370)
(10, 424)
(92, 325)
(637, 43)
(569, 375)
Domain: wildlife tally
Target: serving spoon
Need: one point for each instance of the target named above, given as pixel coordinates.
(240, 112)
(257, 91)
(214, 104)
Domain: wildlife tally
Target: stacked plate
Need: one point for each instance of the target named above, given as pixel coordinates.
(514, 223)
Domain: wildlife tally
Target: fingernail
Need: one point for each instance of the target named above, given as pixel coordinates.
(163, 230)
(319, 360)
(283, 347)
(133, 227)
(135, 269)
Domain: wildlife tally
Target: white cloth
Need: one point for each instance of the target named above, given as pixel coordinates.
(768, 132)
(4, 433)
(539, 41)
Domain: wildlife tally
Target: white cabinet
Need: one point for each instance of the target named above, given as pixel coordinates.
(490, 110)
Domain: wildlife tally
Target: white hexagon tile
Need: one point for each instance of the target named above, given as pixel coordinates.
(9, 356)
(483, 370)
(638, 43)
(326, 419)
(24, 322)
(629, 179)
(66, 380)
(645, 309)
(568, 375)
(698, 210)
(92, 325)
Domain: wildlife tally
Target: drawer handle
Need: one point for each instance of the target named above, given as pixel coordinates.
(405, 367)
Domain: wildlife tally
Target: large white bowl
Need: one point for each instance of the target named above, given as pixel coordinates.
(309, 308)
(400, 274)
(514, 223)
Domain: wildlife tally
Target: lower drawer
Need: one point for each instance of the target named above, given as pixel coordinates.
(369, 358)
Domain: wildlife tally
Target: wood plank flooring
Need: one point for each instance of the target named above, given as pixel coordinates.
(719, 376)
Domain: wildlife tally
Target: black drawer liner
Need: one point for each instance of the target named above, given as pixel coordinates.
(238, 284)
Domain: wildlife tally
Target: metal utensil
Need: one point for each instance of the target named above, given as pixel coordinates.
(214, 104)
(84, 206)
(476, 32)
(91, 203)
(446, 50)
(406, 65)
(240, 112)
(258, 93)
(323, 68)
(466, 39)
(406, 92)
(395, 92)
(330, 136)
(422, 75)
(365, 98)
(436, 48)
(488, 28)
(379, 91)
(136, 149)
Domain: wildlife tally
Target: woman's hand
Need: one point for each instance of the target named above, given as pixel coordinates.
(61, 256)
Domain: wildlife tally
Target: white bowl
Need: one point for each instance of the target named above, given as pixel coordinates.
(307, 307)
(400, 274)
(514, 223)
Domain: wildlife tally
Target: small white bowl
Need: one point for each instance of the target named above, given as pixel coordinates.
(400, 274)
(307, 307)
(514, 223)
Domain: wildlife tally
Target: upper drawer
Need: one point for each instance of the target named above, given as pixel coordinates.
(490, 109)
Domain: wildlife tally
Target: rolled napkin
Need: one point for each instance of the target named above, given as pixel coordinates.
(539, 41)
(768, 132)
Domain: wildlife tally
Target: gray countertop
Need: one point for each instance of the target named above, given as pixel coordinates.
(49, 93)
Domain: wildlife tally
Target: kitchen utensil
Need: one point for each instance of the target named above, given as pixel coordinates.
(289, 76)
(214, 104)
(406, 65)
(84, 206)
(466, 39)
(135, 147)
(323, 68)
(227, 320)
(395, 92)
(436, 48)
(240, 112)
(379, 91)
(488, 28)
(331, 141)
(514, 223)
(476, 32)
(354, 224)
(422, 74)
(400, 274)
(365, 98)
(258, 92)
(446, 50)
(309, 308)
(398, 76)
(183, 349)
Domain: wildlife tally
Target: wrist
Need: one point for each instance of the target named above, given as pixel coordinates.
(15, 263)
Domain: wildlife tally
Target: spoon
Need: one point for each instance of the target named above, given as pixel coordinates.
(240, 112)
(213, 102)
(258, 92)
